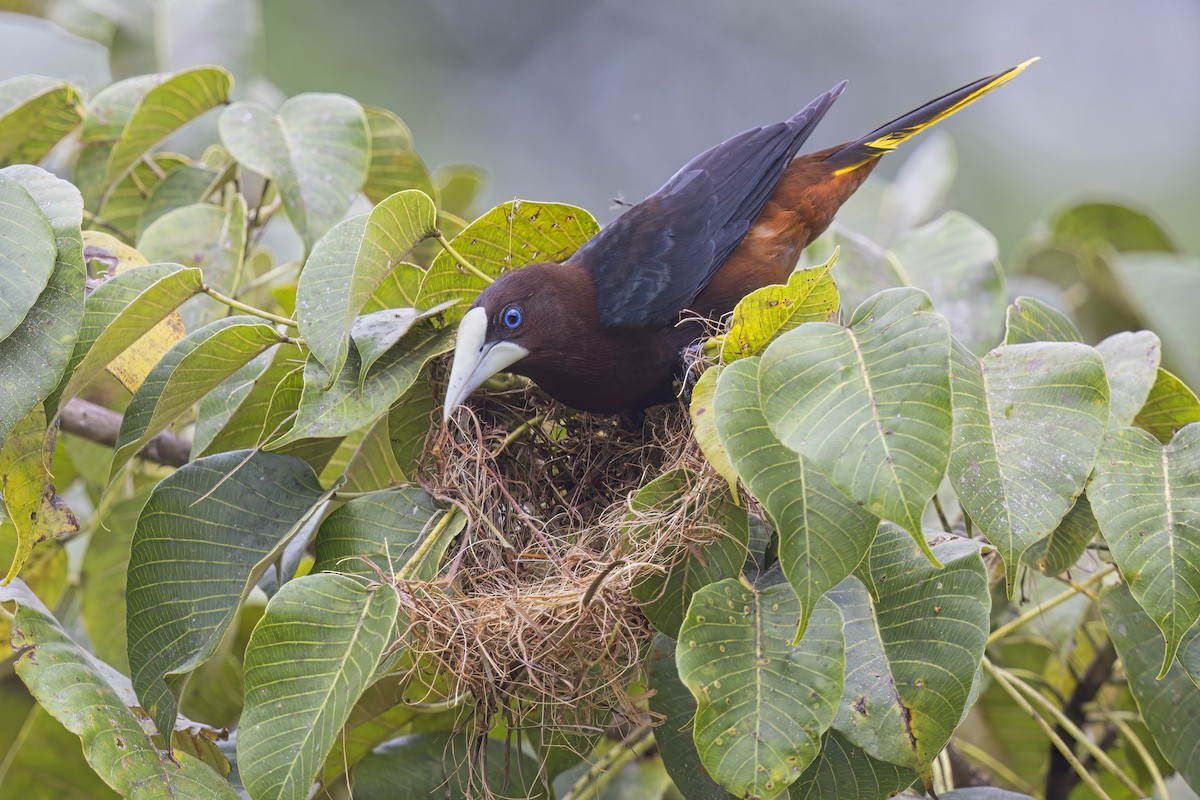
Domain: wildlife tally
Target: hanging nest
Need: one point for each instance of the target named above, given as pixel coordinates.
(536, 617)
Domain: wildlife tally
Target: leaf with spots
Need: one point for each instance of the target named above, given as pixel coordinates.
(511, 235)
(1028, 419)
(762, 703)
(869, 404)
(763, 315)
(1146, 497)
(912, 655)
(206, 534)
(36, 510)
(78, 692)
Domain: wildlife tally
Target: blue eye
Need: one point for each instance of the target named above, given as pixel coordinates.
(512, 317)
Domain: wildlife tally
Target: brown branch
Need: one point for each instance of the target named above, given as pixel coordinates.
(1061, 779)
(101, 425)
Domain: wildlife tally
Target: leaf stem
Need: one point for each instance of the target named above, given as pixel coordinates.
(1068, 753)
(990, 762)
(608, 765)
(1042, 608)
(1160, 787)
(248, 309)
(462, 262)
(421, 552)
(1065, 722)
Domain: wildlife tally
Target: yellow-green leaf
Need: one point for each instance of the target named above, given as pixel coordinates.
(763, 315)
(511, 235)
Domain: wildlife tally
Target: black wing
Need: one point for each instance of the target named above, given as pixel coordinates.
(653, 260)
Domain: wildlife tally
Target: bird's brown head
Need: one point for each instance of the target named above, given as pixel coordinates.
(523, 316)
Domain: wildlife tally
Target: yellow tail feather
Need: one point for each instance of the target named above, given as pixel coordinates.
(888, 137)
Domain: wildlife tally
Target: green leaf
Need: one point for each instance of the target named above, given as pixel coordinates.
(711, 547)
(880, 389)
(107, 113)
(205, 236)
(401, 770)
(762, 703)
(174, 101)
(674, 703)
(1163, 288)
(511, 235)
(310, 657)
(954, 259)
(1146, 498)
(761, 316)
(410, 421)
(27, 254)
(123, 206)
(918, 193)
(704, 429)
(373, 465)
(375, 333)
(458, 186)
(184, 185)
(119, 311)
(185, 374)
(843, 771)
(35, 114)
(257, 412)
(36, 510)
(205, 535)
(1131, 363)
(1059, 551)
(34, 356)
(823, 534)
(402, 532)
(1028, 419)
(1169, 407)
(43, 754)
(338, 409)
(102, 576)
(1030, 320)
(331, 292)
(1117, 225)
(316, 150)
(395, 165)
(71, 686)
(912, 654)
(1169, 703)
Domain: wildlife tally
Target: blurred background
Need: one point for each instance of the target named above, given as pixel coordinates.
(587, 102)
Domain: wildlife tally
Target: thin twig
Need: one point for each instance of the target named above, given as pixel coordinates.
(240, 306)
(1042, 608)
(1064, 748)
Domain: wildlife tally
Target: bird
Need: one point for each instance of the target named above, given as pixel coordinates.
(607, 330)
